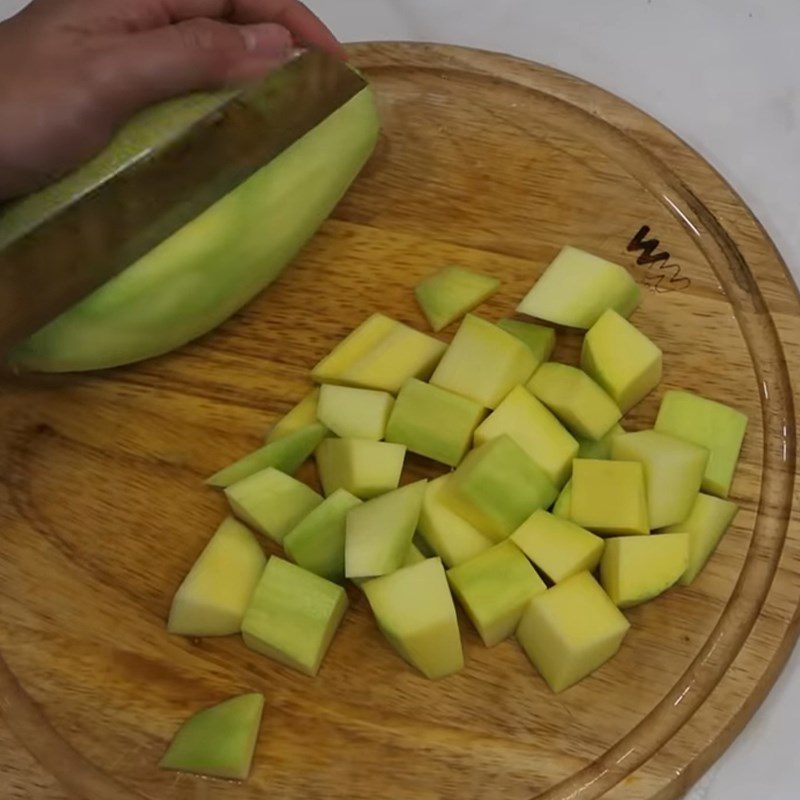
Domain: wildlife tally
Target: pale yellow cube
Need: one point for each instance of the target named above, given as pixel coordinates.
(558, 547)
(571, 630)
(635, 569)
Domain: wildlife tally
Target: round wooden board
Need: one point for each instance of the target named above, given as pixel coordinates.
(485, 161)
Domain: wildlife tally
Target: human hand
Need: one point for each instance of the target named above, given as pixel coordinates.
(72, 71)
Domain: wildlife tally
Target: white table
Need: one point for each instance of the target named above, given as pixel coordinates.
(724, 75)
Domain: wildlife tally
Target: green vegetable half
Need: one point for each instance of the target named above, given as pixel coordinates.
(207, 270)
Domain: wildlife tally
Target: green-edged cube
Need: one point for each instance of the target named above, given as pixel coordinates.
(272, 502)
(577, 287)
(582, 405)
(708, 520)
(360, 466)
(316, 543)
(494, 588)
(497, 487)
(715, 426)
(570, 630)
(451, 292)
(450, 536)
(414, 609)
(535, 429)
(483, 362)
(353, 413)
(635, 569)
(558, 547)
(673, 472)
(293, 616)
(621, 359)
(433, 422)
(286, 453)
(609, 496)
(379, 532)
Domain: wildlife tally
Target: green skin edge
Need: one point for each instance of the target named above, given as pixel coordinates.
(218, 741)
(210, 268)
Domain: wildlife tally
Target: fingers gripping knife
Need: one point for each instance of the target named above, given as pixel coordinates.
(63, 242)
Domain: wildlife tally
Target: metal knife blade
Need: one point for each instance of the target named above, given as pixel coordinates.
(70, 245)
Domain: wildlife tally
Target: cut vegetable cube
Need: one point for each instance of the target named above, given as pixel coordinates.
(575, 399)
(354, 413)
(621, 359)
(539, 339)
(452, 292)
(433, 422)
(570, 630)
(497, 487)
(362, 467)
(301, 416)
(673, 472)
(379, 532)
(316, 543)
(708, 520)
(600, 448)
(577, 287)
(414, 609)
(218, 741)
(494, 588)
(286, 454)
(413, 556)
(483, 362)
(293, 616)
(380, 354)
(562, 508)
(213, 597)
(528, 422)
(710, 424)
(450, 536)
(558, 547)
(272, 502)
(635, 569)
(357, 344)
(609, 496)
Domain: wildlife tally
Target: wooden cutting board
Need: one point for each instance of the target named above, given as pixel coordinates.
(485, 161)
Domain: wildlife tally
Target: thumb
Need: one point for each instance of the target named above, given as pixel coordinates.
(198, 54)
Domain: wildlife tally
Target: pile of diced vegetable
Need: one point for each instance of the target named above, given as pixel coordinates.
(547, 519)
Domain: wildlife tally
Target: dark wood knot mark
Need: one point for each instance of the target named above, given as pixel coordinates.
(660, 274)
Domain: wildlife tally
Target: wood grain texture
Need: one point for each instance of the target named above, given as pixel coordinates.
(488, 162)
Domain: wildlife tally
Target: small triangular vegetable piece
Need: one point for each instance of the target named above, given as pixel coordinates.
(300, 416)
(451, 292)
(285, 454)
(218, 741)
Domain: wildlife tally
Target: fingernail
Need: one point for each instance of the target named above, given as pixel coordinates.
(268, 40)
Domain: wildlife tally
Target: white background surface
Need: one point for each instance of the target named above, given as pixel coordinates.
(725, 76)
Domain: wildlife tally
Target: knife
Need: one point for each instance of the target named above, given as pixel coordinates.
(61, 243)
